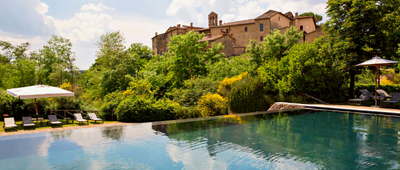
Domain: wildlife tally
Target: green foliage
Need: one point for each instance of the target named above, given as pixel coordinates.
(115, 65)
(268, 74)
(187, 112)
(361, 29)
(193, 90)
(110, 44)
(226, 68)
(248, 95)
(143, 51)
(371, 87)
(54, 60)
(189, 56)
(138, 109)
(317, 17)
(310, 69)
(156, 72)
(212, 105)
(366, 76)
(110, 104)
(274, 46)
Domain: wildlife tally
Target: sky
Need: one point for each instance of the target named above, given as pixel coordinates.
(83, 21)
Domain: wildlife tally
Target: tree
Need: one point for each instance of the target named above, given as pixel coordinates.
(317, 17)
(310, 68)
(274, 46)
(14, 51)
(142, 50)
(190, 56)
(109, 44)
(226, 68)
(361, 29)
(54, 59)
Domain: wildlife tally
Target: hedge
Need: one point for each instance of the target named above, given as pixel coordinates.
(371, 87)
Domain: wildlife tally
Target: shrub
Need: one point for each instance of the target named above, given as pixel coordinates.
(225, 85)
(110, 104)
(226, 68)
(212, 104)
(248, 96)
(192, 91)
(182, 112)
(138, 109)
(389, 88)
(313, 70)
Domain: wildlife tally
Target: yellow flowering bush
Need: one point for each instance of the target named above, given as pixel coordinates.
(213, 104)
(385, 81)
(66, 86)
(127, 93)
(225, 85)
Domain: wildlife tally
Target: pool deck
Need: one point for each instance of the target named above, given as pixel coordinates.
(60, 129)
(347, 108)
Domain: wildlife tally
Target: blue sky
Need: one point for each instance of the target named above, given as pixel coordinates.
(83, 21)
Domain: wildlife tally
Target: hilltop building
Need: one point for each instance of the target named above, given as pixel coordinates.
(236, 35)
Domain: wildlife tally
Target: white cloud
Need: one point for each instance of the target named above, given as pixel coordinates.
(99, 7)
(234, 10)
(42, 8)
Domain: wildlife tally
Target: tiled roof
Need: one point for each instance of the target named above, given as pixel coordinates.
(289, 14)
(212, 38)
(249, 21)
(204, 29)
(268, 14)
(300, 17)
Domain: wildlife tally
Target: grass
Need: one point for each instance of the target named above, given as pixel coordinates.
(45, 126)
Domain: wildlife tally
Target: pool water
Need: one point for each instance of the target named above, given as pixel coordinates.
(293, 140)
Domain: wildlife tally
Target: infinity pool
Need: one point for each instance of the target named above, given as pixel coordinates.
(293, 140)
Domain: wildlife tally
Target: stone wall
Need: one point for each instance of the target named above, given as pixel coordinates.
(227, 41)
(310, 37)
(282, 106)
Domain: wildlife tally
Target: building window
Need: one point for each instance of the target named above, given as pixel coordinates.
(261, 38)
(245, 29)
(279, 18)
(163, 37)
(261, 27)
(301, 27)
(227, 31)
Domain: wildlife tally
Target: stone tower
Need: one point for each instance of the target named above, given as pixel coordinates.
(212, 19)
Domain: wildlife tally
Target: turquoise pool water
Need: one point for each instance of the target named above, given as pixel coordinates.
(295, 140)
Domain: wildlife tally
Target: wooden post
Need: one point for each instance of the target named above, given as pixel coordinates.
(36, 110)
(376, 84)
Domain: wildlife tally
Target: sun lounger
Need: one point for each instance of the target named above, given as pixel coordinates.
(9, 123)
(53, 120)
(394, 99)
(384, 94)
(93, 116)
(78, 117)
(27, 122)
(363, 97)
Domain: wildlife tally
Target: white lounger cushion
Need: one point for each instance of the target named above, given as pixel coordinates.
(9, 122)
(78, 117)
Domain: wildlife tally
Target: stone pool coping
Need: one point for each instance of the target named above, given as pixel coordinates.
(341, 108)
(20, 132)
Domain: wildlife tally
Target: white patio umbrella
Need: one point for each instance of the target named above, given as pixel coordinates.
(38, 91)
(377, 62)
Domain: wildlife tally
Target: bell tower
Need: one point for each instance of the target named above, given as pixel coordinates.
(212, 19)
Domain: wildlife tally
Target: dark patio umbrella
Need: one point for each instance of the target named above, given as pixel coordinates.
(377, 61)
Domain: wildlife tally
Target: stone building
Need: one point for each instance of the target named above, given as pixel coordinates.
(236, 35)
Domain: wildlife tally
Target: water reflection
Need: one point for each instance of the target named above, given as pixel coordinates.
(330, 140)
(113, 132)
(298, 140)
